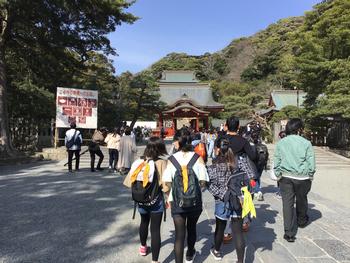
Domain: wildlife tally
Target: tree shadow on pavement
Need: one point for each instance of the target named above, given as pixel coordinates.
(170, 240)
(261, 234)
(54, 216)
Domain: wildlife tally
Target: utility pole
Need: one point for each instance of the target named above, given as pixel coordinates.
(297, 89)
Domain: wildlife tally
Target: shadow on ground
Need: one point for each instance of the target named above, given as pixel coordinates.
(53, 216)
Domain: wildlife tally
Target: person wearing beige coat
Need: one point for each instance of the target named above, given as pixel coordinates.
(127, 150)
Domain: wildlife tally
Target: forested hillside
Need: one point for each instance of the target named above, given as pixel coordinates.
(310, 53)
(42, 49)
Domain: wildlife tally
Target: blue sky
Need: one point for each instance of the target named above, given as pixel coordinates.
(193, 27)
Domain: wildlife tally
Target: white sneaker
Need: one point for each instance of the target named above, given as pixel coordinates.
(260, 196)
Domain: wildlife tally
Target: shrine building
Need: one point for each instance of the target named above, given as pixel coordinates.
(188, 102)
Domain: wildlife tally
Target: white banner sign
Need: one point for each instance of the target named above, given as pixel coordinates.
(76, 105)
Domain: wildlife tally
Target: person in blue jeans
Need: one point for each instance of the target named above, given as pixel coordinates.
(151, 214)
(219, 173)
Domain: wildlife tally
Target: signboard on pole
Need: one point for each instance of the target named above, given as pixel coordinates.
(76, 105)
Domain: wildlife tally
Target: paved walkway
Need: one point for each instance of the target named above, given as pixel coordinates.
(48, 215)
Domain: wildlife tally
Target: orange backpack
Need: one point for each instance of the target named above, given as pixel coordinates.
(200, 150)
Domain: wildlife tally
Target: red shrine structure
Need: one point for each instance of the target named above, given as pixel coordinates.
(188, 102)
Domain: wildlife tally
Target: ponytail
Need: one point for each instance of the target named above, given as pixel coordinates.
(230, 159)
(227, 154)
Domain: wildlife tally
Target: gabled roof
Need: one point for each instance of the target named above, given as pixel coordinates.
(282, 98)
(201, 95)
(178, 76)
(186, 107)
(175, 84)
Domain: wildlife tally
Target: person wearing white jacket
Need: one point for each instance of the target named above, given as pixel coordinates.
(113, 145)
(73, 141)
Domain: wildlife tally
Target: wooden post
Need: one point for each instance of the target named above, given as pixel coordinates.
(56, 137)
(160, 120)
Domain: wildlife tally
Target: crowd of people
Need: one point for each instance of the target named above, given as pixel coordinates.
(227, 162)
(120, 142)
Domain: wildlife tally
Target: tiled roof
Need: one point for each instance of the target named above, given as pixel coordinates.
(174, 85)
(199, 94)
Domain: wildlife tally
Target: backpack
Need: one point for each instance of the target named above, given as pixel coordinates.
(200, 150)
(192, 197)
(146, 195)
(235, 182)
(247, 165)
(72, 141)
(98, 137)
(262, 154)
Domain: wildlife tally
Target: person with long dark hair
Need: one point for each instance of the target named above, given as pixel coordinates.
(294, 167)
(240, 147)
(185, 175)
(223, 168)
(155, 156)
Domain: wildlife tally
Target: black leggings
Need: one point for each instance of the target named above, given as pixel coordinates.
(156, 220)
(181, 221)
(237, 234)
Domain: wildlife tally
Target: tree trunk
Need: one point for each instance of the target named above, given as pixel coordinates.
(138, 109)
(6, 148)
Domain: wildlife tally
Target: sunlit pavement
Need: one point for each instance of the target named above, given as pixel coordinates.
(50, 215)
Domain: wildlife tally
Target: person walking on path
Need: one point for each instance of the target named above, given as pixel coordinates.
(98, 139)
(294, 166)
(210, 142)
(155, 156)
(127, 151)
(239, 146)
(185, 175)
(262, 158)
(113, 145)
(73, 141)
(224, 170)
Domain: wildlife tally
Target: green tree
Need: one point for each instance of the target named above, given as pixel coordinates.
(141, 95)
(98, 74)
(33, 30)
(322, 53)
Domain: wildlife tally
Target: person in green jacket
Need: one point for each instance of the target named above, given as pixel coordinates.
(294, 166)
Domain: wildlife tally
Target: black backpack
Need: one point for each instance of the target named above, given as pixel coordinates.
(72, 141)
(247, 165)
(193, 196)
(149, 194)
(235, 182)
(262, 155)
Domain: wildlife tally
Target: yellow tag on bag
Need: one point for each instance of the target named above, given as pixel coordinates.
(145, 173)
(248, 205)
(184, 172)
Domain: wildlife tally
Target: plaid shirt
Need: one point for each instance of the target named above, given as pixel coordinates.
(219, 174)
